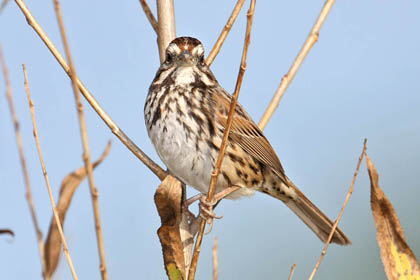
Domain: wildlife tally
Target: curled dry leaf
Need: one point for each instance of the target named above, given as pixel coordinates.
(7, 231)
(69, 185)
(398, 259)
(168, 200)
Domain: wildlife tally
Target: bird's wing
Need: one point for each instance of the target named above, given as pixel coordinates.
(245, 133)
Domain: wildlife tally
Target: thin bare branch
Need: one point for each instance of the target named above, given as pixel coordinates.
(85, 144)
(292, 270)
(287, 79)
(156, 169)
(149, 15)
(167, 30)
(225, 32)
(19, 143)
(223, 145)
(349, 193)
(47, 181)
(215, 260)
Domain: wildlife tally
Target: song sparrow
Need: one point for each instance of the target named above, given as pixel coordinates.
(186, 112)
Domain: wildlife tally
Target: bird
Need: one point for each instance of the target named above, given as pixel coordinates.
(185, 114)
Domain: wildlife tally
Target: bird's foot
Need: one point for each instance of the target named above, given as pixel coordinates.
(206, 206)
(206, 211)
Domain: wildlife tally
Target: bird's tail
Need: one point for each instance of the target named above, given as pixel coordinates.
(314, 218)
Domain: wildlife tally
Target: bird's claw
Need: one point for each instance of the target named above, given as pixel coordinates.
(206, 211)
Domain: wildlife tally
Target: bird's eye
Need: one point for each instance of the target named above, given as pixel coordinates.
(168, 58)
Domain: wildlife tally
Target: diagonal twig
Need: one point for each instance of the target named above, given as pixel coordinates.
(85, 144)
(223, 145)
(225, 32)
(287, 79)
(149, 15)
(346, 200)
(156, 169)
(19, 143)
(47, 181)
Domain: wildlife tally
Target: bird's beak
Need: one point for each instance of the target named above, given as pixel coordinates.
(185, 59)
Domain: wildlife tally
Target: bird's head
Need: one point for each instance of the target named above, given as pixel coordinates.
(184, 51)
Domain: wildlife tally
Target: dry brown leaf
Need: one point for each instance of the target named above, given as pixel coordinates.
(168, 199)
(69, 185)
(3, 5)
(397, 257)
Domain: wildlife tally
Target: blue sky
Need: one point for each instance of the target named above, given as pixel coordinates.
(360, 80)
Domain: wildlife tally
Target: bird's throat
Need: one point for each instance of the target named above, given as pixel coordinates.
(184, 75)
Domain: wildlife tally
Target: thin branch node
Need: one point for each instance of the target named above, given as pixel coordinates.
(95, 194)
(315, 35)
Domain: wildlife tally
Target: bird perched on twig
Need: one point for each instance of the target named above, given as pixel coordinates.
(186, 112)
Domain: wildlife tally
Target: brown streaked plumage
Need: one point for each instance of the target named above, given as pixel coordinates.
(186, 113)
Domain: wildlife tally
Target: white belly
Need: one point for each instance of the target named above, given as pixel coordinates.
(179, 153)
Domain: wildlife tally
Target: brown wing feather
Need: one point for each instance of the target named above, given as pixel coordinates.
(245, 133)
